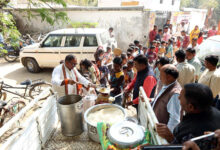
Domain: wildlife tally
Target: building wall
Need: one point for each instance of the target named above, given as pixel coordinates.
(109, 3)
(166, 5)
(129, 24)
(160, 5)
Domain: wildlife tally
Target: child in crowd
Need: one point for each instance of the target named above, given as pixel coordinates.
(178, 42)
(103, 73)
(129, 56)
(99, 54)
(155, 45)
(127, 79)
(151, 55)
(90, 70)
(136, 51)
(124, 59)
(156, 70)
(140, 47)
(169, 49)
(130, 69)
(107, 57)
(145, 50)
(117, 80)
(175, 48)
(162, 49)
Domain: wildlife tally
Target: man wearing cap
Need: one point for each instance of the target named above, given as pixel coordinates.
(66, 78)
(166, 34)
(152, 34)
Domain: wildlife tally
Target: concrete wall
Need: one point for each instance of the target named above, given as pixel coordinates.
(128, 23)
(160, 5)
(166, 5)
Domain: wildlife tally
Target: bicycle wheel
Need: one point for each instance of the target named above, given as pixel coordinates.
(37, 89)
(4, 116)
(16, 107)
(10, 58)
(3, 96)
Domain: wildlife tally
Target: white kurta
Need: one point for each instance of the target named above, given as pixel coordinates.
(212, 80)
(186, 73)
(58, 77)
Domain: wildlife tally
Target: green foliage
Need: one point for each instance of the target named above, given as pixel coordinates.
(83, 2)
(9, 30)
(203, 4)
(44, 10)
(83, 24)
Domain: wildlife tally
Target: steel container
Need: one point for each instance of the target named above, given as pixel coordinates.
(92, 130)
(70, 112)
(126, 134)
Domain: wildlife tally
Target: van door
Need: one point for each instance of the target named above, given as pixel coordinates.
(48, 53)
(72, 45)
(90, 44)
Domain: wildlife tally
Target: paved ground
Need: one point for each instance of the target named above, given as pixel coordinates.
(16, 73)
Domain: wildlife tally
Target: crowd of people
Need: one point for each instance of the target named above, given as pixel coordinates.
(185, 99)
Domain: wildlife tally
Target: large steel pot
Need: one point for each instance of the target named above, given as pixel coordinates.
(92, 130)
(70, 113)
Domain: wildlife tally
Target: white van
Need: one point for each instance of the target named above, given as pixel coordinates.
(57, 44)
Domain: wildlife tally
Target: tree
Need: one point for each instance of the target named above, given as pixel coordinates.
(44, 10)
(203, 4)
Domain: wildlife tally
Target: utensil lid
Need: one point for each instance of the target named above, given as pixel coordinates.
(126, 134)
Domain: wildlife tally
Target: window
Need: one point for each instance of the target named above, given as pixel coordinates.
(90, 40)
(73, 40)
(53, 41)
(161, 1)
(173, 1)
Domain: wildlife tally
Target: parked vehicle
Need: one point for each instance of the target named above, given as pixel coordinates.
(210, 46)
(9, 53)
(12, 53)
(57, 44)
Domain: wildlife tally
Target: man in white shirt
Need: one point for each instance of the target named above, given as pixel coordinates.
(186, 71)
(66, 79)
(211, 76)
(166, 104)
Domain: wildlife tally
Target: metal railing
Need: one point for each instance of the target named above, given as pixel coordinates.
(147, 117)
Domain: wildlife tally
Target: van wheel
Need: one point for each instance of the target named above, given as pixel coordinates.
(32, 65)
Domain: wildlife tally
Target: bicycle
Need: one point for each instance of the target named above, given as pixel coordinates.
(34, 88)
(8, 110)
